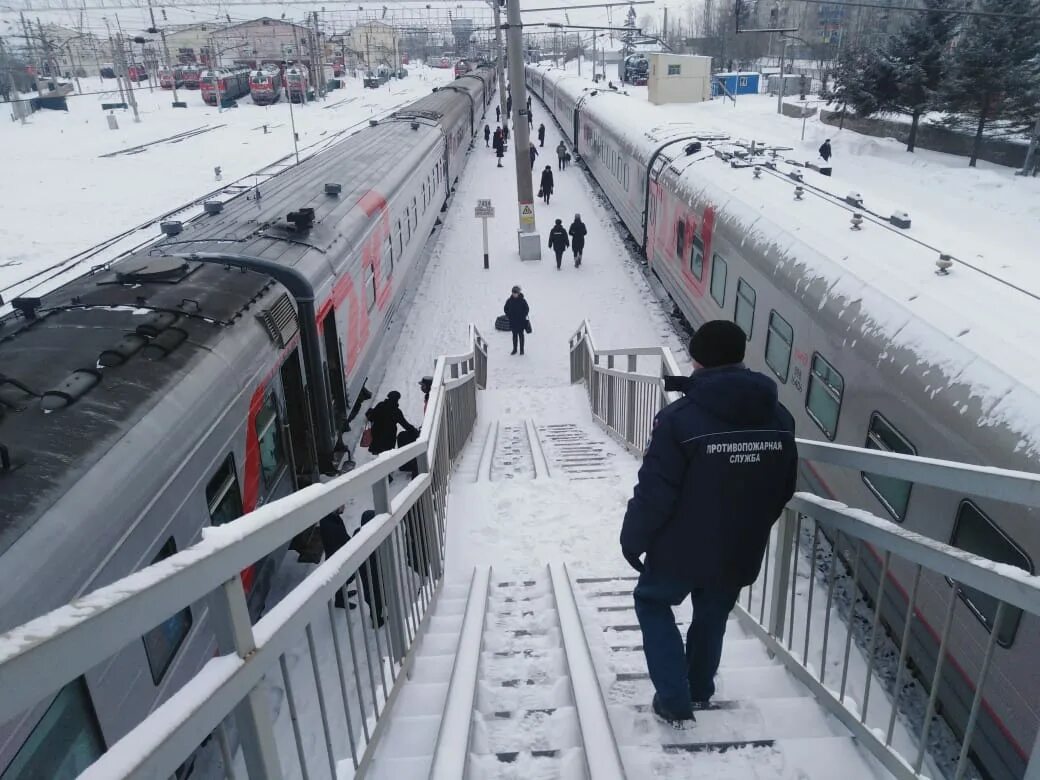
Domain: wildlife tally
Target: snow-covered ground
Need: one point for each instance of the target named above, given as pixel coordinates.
(60, 195)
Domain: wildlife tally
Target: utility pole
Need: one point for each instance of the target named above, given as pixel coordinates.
(317, 57)
(664, 32)
(29, 38)
(1028, 167)
(115, 63)
(122, 66)
(499, 54)
(16, 104)
(530, 241)
(780, 89)
(594, 36)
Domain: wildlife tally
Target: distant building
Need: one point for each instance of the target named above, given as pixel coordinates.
(374, 43)
(190, 44)
(71, 52)
(678, 78)
(266, 40)
(740, 83)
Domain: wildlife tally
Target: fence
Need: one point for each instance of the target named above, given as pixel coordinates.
(812, 530)
(395, 560)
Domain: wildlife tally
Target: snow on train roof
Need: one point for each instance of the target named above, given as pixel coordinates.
(976, 325)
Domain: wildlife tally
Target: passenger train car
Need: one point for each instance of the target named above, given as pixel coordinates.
(163, 393)
(869, 347)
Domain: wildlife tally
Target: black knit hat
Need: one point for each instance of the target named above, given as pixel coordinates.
(718, 343)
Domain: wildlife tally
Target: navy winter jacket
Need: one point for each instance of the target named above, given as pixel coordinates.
(721, 465)
(517, 311)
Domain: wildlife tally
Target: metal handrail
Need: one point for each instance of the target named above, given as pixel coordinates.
(397, 559)
(848, 535)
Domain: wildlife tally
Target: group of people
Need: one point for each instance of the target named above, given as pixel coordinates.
(560, 238)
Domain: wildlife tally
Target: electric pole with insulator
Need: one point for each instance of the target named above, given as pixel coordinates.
(529, 240)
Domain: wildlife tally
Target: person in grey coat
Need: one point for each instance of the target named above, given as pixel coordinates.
(533, 153)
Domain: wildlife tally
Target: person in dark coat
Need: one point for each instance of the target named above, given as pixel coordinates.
(558, 241)
(499, 145)
(498, 113)
(530, 119)
(721, 465)
(541, 135)
(577, 233)
(561, 155)
(545, 185)
(533, 153)
(825, 150)
(509, 104)
(516, 309)
(487, 135)
(385, 417)
(528, 104)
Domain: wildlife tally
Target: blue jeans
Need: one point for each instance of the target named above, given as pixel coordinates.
(682, 675)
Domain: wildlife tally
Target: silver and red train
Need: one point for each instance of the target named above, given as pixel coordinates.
(162, 394)
(868, 347)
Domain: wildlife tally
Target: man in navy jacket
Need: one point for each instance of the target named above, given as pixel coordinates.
(721, 465)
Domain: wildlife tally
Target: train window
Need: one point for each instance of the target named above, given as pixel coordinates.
(697, 258)
(398, 247)
(744, 311)
(893, 493)
(680, 238)
(415, 217)
(823, 400)
(64, 743)
(779, 342)
(162, 642)
(719, 269)
(976, 533)
(222, 494)
(269, 437)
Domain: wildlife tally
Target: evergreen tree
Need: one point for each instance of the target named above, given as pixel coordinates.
(911, 68)
(628, 37)
(994, 68)
(851, 89)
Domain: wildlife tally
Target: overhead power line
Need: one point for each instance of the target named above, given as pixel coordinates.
(913, 10)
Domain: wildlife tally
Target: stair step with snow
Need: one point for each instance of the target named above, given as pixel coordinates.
(781, 759)
(738, 682)
(513, 457)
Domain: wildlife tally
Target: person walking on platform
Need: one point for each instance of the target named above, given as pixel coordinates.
(545, 186)
(533, 153)
(385, 417)
(509, 104)
(561, 153)
(530, 119)
(541, 135)
(528, 104)
(825, 150)
(517, 310)
(558, 241)
(499, 146)
(487, 135)
(577, 233)
(721, 465)
(498, 114)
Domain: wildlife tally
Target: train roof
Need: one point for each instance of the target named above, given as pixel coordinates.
(62, 408)
(964, 326)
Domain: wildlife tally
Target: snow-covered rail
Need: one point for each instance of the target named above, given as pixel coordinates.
(395, 562)
(854, 555)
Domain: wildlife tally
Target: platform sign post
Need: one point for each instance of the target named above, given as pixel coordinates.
(485, 210)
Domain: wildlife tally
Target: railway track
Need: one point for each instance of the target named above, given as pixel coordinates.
(145, 233)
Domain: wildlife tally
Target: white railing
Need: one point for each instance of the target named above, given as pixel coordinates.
(864, 552)
(395, 561)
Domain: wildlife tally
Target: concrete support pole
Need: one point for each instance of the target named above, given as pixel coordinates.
(530, 242)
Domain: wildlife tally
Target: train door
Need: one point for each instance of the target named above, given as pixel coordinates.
(652, 208)
(334, 371)
(301, 439)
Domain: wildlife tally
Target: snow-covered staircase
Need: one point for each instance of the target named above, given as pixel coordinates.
(762, 723)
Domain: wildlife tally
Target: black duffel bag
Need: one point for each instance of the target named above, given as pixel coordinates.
(502, 322)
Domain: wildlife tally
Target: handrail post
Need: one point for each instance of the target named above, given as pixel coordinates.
(633, 388)
(234, 631)
(391, 584)
(784, 554)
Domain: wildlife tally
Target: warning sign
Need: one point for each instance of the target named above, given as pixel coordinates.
(527, 214)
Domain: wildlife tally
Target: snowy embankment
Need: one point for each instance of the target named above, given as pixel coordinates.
(60, 193)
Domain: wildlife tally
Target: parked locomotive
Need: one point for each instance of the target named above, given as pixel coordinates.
(862, 355)
(191, 75)
(265, 86)
(171, 78)
(163, 394)
(137, 73)
(297, 85)
(462, 67)
(228, 84)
